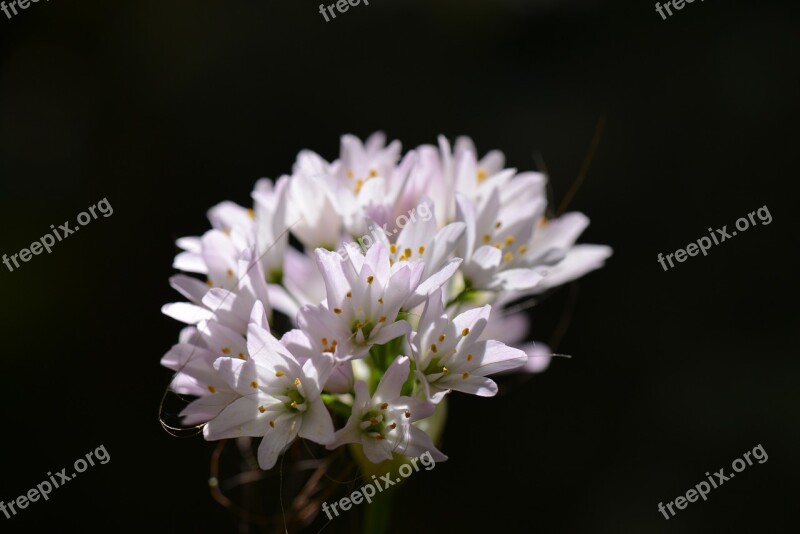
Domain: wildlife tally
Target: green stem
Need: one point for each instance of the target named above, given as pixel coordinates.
(377, 515)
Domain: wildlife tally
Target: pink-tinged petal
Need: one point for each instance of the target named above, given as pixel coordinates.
(390, 332)
(444, 243)
(493, 357)
(241, 418)
(276, 439)
(473, 321)
(420, 443)
(220, 254)
(191, 262)
(222, 340)
(465, 212)
(419, 408)
(317, 370)
(432, 393)
(473, 384)
(317, 424)
(518, 279)
(435, 281)
(487, 258)
(580, 260)
(239, 375)
(559, 233)
(264, 349)
(392, 382)
(186, 313)
(341, 379)
(377, 258)
(229, 215)
(206, 408)
(375, 450)
(402, 284)
(190, 244)
(336, 285)
(191, 288)
(539, 357)
(509, 329)
(434, 307)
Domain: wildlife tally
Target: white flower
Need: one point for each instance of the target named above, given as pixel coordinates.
(229, 306)
(278, 399)
(383, 424)
(449, 356)
(364, 296)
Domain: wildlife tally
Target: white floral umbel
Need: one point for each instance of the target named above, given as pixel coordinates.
(379, 334)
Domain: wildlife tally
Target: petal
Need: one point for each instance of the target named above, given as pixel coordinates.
(186, 313)
(241, 418)
(317, 424)
(392, 382)
(276, 439)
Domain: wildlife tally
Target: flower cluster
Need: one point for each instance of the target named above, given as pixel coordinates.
(385, 324)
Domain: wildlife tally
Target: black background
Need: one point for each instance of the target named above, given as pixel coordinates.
(166, 108)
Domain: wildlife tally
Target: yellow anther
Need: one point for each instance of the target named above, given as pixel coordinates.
(251, 213)
(465, 376)
(434, 348)
(279, 374)
(407, 252)
(226, 350)
(393, 248)
(487, 238)
(382, 319)
(229, 272)
(262, 409)
(421, 250)
(350, 173)
(272, 424)
(522, 249)
(508, 256)
(441, 338)
(445, 370)
(373, 173)
(482, 175)
(349, 294)
(384, 405)
(242, 356)
(465, 332)
(212, 389)
(509, 240)
(254, 384)
(296, 381)
(498, 224)
(337, 311)
(469, 357)
(370, 279)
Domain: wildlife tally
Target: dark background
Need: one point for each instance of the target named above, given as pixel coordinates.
(166, 108)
